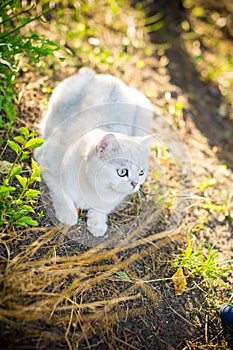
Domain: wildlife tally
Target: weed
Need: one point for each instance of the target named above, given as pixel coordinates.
(123, 274)
(202, 262)
(13, 47)
(16, 194)
(208, 182)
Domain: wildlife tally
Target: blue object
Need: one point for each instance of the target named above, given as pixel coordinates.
(226, 314)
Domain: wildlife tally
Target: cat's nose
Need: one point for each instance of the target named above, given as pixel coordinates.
(134, 184)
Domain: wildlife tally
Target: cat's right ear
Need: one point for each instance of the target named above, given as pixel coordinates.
(108, 147)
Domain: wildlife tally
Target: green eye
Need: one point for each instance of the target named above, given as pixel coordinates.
(141, 172)
(122, 172)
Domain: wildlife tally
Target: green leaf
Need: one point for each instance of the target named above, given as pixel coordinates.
(19, 202)
(9, 109)
(25, 132)
(34, 143)
(1, 121)
(19, 139)
(14, 146)
(24, 20)
(35, 167)
(36, 171)
(5, 189)
(25, 221)
(34, 133)
(22, 180)
(15, 171)
(26, 209)
(7, 63)
(24, 155)
(123, 274)
(31, 194)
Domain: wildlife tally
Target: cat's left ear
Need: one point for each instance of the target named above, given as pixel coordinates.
(147, 141)
(107, 147)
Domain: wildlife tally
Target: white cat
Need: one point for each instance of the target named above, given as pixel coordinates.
(95, 150)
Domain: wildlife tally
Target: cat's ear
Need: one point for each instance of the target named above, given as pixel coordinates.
(107, 147)
(147, 141)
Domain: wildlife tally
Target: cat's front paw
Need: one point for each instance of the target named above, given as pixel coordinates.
(96, 223)
(67, 217)
(97, 231)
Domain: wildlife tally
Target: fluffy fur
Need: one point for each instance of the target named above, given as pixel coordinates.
(96, 146)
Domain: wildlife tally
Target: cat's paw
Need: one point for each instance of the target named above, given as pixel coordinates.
(96, 223)
(67, 217)
(97, 231)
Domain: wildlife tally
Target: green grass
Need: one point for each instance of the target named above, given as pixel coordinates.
(202, 261)
(18, 44)
(17, 194)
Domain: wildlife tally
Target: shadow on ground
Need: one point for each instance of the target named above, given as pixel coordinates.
(205, 99)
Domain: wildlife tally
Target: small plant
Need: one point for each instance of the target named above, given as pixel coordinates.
(208, 182)
(15, 45)
(202, 263)
(18, 44)
(16, 192)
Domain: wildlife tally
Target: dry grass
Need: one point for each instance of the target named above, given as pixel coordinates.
(72, 291)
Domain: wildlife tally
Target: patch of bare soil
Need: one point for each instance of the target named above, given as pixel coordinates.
(62, 292)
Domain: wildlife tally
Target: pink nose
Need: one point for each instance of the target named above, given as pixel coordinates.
(134, 184)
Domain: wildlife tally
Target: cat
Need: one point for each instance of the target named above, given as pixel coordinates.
(95, 147)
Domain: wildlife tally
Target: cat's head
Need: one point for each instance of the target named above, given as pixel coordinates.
(119, 163)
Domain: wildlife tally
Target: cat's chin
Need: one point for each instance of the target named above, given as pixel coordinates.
(136, 189)
(127, 193)
(123, 192)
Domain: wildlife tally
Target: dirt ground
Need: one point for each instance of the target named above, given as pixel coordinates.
(63, 290)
